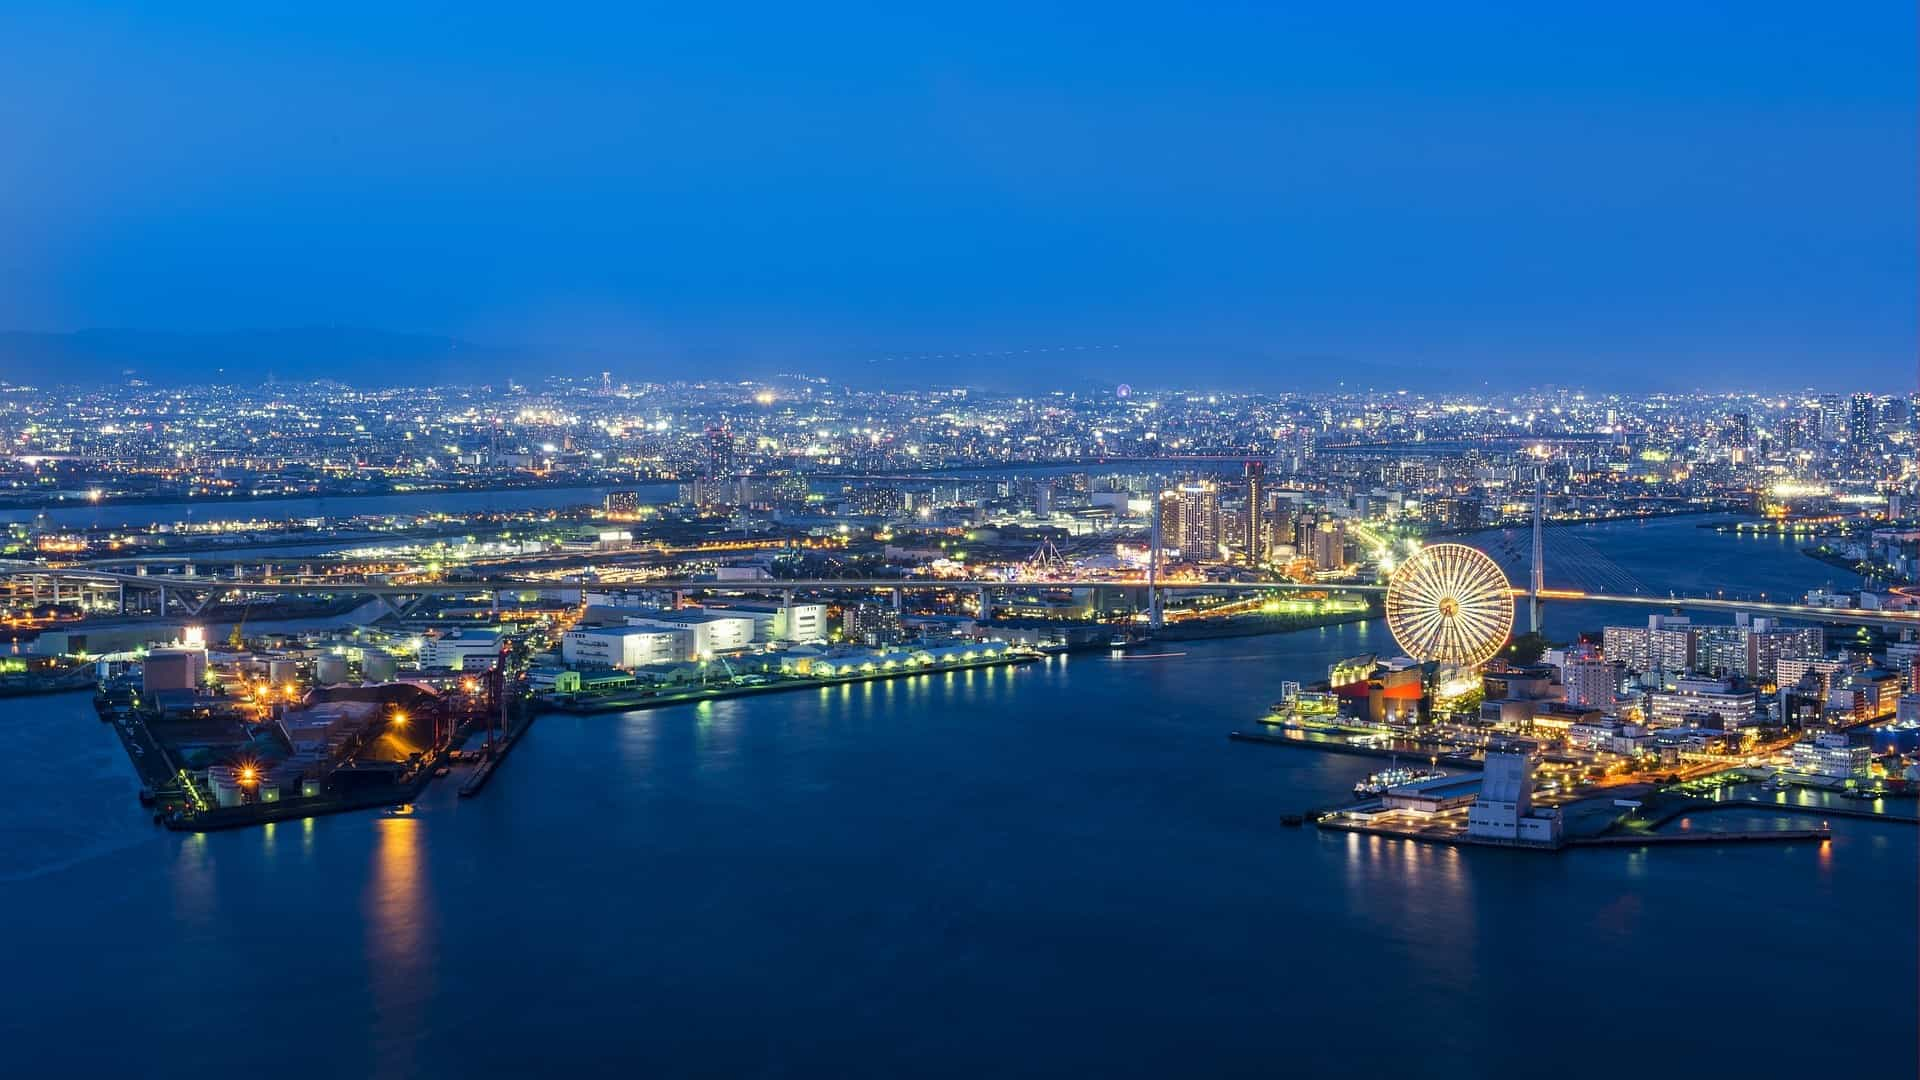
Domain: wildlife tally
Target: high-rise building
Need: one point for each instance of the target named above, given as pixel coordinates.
(1591, 681)
(1768, 643)
(879, 500)
(719, 452)
(1901, 656)
(1721, 650)
(871, 624)
(1197, 524)
(1740, 430)
(1793, 434)
(1833, 417)
(1790, 671)
(1664, 645)
(1255, 540)
(1329, 544)
(1279, 529)
(1860, 420)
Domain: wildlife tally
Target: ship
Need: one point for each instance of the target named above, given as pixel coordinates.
(46, 679)
(1393, 776)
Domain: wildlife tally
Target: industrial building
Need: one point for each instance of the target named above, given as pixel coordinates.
(471, 648)
(626, 646)
(796, 621)
(173, 669)
(714, 631)
(1504, 809)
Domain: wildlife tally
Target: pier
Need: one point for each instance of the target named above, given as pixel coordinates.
(1822, 834)
(634, 700)
(1334, 746)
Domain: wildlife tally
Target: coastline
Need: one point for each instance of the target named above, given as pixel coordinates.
(635, 701)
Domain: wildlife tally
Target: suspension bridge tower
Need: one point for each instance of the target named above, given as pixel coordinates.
(1155, 614)
(1539, 574)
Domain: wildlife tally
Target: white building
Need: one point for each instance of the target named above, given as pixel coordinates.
(1504, 809)
(1665, 645)
(1768, 643)
(1719, 698)
(1907, 711)
(1832, 756)
(1789, 670)
(713, 631)
(783, 622)
(1608, 734)
(1900, 657)
(662, 599)
(626, 646)
(473, 648)
(1590, 683)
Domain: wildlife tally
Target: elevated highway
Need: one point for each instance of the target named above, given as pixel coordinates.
(192, 591)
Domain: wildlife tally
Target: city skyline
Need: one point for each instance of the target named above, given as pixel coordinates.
(1113, 540)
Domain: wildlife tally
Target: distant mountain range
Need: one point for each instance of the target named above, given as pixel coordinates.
(356, 356)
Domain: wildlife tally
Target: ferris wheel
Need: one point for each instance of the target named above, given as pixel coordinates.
(1450, 603)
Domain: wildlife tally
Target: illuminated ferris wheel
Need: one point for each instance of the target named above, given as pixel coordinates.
(1450, 603)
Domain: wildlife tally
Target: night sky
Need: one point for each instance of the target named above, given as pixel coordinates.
(1627, 195)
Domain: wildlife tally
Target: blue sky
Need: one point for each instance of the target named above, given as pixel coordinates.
(1264, 194)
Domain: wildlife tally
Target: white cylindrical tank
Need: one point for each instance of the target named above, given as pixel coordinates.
(378, 666)
(329, 670)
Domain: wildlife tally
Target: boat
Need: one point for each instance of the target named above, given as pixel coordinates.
(47, 680)
(1393, 776)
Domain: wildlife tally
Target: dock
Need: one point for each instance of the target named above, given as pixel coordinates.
(1822, 833)
(1441, 834)
(484, 772)
(633, 701)
(1331, 746)
(1428, 833)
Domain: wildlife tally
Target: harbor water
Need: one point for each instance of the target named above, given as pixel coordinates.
(1058, 869)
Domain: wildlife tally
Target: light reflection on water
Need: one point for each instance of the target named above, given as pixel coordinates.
(1065, 861)
(398, 912)
(194, 896)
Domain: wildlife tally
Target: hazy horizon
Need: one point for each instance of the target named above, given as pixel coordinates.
(1618, 194)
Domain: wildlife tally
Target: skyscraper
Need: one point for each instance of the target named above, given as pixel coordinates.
(1197, 524)
(1255, 540)
(1740, 430)
(719, 452)
(1329, 545)
(1833, 417)
(1860, 420)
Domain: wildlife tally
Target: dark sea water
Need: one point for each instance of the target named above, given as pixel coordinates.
(1064, 869)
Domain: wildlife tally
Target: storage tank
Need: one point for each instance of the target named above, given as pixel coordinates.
(379, 666)
(329, 670)
(282, 672)
(172, 669)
